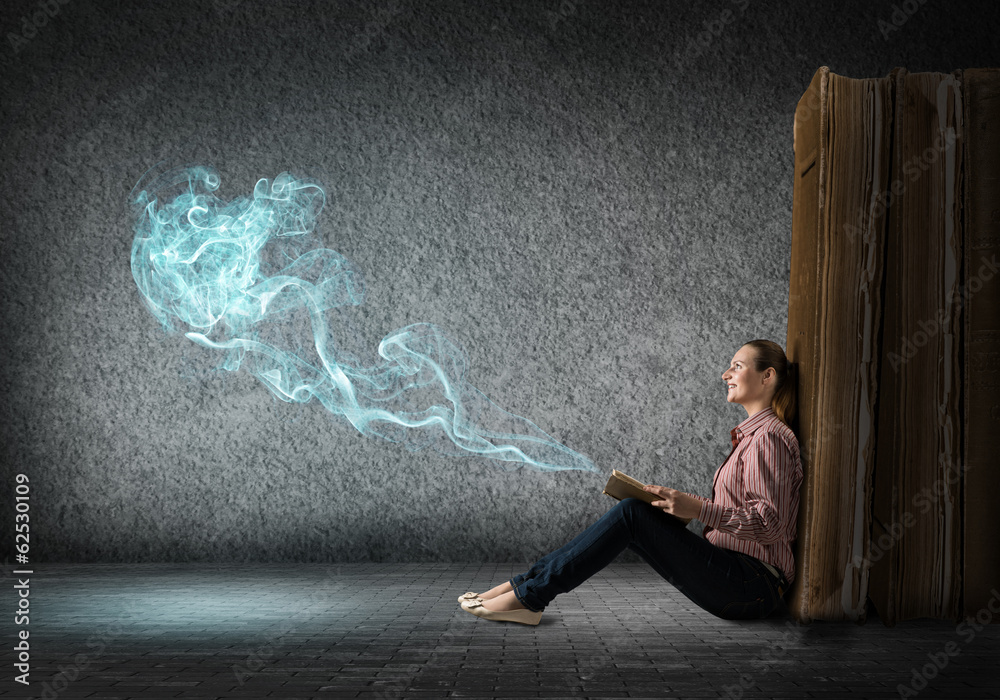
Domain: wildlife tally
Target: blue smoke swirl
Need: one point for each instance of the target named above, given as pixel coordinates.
(201, 264)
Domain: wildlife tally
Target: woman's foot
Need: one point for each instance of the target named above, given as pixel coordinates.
(503, 602)
(488, 595)
(504, 587)
(502, 608)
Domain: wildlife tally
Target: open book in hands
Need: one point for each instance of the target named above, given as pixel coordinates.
(621, 486)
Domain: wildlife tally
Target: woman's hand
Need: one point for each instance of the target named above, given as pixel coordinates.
(675, 502)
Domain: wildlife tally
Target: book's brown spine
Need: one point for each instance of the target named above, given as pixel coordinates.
(981, 296)
(810, 124)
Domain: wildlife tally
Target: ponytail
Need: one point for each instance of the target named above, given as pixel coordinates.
(784, 403)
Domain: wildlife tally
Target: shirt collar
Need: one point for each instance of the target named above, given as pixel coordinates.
(748, 426)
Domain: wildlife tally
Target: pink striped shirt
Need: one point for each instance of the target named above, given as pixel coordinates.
(755, 494)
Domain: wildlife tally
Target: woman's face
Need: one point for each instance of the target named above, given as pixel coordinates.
(744, 384)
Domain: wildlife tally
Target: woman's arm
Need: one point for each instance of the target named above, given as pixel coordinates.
(767, 482)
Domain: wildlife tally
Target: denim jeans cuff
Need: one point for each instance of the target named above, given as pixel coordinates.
(521, 598)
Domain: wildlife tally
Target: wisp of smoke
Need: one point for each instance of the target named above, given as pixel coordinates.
(200, 266)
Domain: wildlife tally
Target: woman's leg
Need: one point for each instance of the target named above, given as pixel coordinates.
(578, 542)
(538, 566)
(504, 587)
(567, 567)
(724, 582)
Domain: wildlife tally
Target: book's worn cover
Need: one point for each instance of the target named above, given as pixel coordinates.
(841, 135)
(981, 377)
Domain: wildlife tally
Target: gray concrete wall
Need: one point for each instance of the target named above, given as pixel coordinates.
(593, 198)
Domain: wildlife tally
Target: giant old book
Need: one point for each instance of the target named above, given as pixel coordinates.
(895, 323)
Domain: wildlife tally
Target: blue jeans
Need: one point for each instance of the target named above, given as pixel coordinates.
(728, 584)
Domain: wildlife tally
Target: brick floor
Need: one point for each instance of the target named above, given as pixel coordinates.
(208, 631)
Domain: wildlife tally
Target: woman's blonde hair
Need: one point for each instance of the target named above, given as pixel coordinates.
(784, 403)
